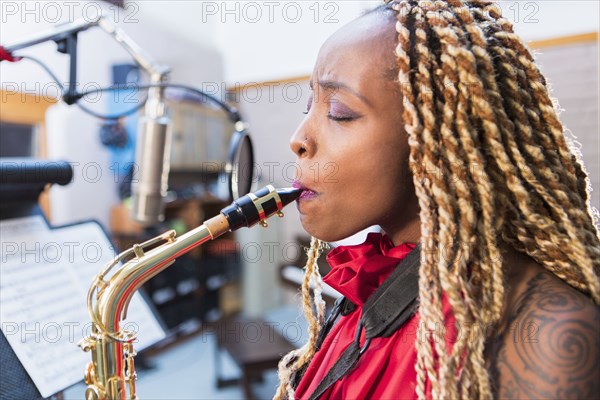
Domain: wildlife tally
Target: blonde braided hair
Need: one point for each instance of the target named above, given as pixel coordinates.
(472, 93)
(296, 359)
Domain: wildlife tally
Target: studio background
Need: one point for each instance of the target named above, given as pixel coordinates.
(259, 55)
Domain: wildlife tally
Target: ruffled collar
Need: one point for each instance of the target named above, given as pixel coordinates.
(358, 270)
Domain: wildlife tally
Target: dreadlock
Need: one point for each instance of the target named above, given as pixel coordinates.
(477, 109)
(296, 359)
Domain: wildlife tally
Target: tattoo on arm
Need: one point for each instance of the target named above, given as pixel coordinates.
(552, 346)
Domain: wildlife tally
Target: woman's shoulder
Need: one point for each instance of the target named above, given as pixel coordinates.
(550, 341)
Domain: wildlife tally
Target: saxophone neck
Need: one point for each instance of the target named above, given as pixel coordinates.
(112, 370)
(114, 295)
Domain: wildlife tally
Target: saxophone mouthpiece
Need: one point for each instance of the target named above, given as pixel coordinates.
(258, 206)
(289, 195)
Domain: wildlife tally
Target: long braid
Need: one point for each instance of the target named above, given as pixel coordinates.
(490, 262)
(429, 286)
(578, 181)
(566, 205)
(425, 366)
(505, 136)
(296, 359)
(516, 166)
(443, 202)
(541, 177)
(463, 148)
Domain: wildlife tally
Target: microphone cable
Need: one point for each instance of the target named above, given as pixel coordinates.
(232, 112)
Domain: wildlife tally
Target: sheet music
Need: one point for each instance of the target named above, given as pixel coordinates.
(45, 275)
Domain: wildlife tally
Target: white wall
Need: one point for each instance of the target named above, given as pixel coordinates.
(261, 42)
(280, 45)
(543, 19)
(272, 114)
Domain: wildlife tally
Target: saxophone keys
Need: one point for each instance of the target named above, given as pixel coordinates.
(138, 250)
(89, 377)
(94, 393)
(87, 343)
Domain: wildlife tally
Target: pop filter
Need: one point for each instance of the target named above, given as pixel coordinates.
(240, 165)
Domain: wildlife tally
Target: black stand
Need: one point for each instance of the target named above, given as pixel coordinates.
(21, 182)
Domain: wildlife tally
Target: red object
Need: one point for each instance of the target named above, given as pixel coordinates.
(5, 55)
(387, 369)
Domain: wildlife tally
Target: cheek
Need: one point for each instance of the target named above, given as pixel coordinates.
(385, 177)
(383, 156)
(368, 159)
(363, 173)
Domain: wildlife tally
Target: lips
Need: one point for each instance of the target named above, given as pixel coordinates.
(307, 193)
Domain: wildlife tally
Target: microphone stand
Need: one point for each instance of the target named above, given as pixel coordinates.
(153, 126)
(65, 36)
(155, 108)
(153, 147)
(154, 139)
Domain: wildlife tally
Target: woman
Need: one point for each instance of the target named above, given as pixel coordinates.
(431, 120)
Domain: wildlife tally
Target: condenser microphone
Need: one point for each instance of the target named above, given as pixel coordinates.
(151, 170)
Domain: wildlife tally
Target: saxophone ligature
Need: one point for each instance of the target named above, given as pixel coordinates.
(111, 373)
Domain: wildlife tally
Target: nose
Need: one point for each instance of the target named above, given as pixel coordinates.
(300, 142)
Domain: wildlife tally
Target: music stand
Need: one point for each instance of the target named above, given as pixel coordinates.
(21, 182)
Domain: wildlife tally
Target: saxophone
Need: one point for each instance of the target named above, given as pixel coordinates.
(111, 373)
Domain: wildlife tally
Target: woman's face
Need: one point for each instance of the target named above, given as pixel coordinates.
(351, 148)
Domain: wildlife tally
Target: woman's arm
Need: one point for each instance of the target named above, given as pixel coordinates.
(551, 348)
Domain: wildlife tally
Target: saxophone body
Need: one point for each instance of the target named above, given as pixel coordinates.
(111, 373)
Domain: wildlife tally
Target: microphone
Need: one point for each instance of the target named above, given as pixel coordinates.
(152, 159)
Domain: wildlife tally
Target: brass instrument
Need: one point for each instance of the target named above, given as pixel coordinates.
(111, 373)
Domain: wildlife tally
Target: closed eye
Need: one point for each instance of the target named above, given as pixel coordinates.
(340, 119)
(339, 112)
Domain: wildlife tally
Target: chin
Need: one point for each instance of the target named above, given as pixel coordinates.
(322, 233)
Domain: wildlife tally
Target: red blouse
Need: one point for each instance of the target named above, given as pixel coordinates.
(387, 369)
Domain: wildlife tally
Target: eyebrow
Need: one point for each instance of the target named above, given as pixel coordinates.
(335, 85)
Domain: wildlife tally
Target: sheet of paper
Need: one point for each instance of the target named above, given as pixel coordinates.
(45, 275)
